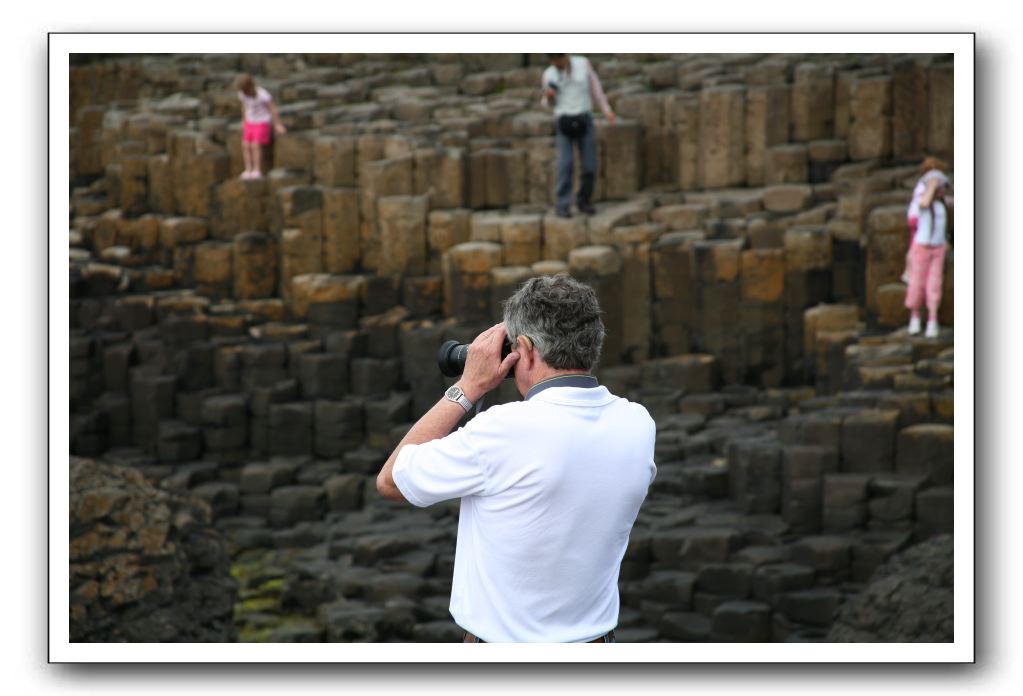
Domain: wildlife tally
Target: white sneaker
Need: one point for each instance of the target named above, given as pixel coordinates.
(932, 329)
(914, 326)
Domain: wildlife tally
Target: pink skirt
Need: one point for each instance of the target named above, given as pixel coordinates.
(256, 133)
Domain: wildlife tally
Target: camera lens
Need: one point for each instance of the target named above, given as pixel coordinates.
(452, 355)
(451, 358)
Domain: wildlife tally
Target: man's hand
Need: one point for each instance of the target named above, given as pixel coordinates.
(484, 368)
(550, 93)
(611, 118)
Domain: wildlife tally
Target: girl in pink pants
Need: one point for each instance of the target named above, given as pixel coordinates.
(926, 275)
(926, 258)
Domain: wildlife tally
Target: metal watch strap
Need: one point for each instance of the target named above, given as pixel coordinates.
(462, 400)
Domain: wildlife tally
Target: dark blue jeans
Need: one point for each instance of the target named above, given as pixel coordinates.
(587, 146)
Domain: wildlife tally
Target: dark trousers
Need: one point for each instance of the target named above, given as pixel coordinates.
(608, 637)
(587, 145)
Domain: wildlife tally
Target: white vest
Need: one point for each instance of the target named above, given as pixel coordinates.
(573, 87)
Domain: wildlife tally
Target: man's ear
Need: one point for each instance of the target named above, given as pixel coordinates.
(526, 345)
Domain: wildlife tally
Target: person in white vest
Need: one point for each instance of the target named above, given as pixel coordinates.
(549, 486)
(570, 85)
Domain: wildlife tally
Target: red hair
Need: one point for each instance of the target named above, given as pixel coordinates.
(930, 163)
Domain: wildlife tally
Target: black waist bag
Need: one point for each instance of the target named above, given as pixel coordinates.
(572, 126)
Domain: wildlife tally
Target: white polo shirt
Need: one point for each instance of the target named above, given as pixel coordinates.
(550, 489)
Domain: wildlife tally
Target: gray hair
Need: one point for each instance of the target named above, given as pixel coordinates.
(561, 316)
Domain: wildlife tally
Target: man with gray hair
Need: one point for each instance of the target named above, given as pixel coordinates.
(549, 486)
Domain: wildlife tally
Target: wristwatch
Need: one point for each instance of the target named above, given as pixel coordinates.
(455, 393)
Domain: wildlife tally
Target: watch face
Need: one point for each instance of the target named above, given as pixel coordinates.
(453, 393)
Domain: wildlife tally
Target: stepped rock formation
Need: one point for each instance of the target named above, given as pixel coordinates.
(263, 344)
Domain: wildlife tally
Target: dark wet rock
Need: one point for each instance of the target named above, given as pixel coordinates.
(741, 622)
(687, 627)
(814, 606)
(145, 565)
(908, 599)
(769, 582)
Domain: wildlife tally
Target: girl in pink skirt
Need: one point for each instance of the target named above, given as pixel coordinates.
(928, 221)
(258, 111)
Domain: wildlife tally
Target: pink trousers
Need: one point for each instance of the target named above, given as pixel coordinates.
(926, 274)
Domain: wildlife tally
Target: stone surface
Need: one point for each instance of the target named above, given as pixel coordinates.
(741, 622)
(908, 599)
(145, 565)
(926, 449)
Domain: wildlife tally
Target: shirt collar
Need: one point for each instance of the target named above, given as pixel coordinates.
(579, 381)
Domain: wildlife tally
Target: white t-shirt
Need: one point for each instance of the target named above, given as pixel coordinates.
(550, 489)
(257, 108)
(931, 226)
(921, 187)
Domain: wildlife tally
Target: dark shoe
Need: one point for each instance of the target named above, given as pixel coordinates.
(563, 213)
(586, 208)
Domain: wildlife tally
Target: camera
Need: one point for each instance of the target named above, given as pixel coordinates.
(452, 354)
